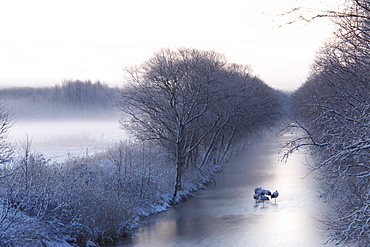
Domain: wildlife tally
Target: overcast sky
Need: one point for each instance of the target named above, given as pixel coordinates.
(44, 42)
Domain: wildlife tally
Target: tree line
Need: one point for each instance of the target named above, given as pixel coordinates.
(188, 111)
(333, 110)
(70, 99)
(195, 105)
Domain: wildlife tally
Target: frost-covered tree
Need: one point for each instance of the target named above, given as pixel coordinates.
(168, 96)
(333, 108)
(84, 96)
(192, 102)
(71, 98)
(6, 150)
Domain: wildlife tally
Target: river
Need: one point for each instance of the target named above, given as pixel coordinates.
(227, 215)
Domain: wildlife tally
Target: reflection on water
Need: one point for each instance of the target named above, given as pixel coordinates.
(227, 215)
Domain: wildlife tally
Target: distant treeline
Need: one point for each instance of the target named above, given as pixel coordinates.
(71, 98)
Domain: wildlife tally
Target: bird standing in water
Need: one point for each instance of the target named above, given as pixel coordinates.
(264, 198)
(275, 195)
(256, 197)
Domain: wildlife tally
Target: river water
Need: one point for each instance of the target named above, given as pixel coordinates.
(227, 215)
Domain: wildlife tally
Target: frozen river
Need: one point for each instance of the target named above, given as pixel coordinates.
(227, 215)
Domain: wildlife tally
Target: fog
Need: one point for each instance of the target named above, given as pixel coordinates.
(73, 118)
(60, 139)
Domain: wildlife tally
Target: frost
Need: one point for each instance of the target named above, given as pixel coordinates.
(189, 125)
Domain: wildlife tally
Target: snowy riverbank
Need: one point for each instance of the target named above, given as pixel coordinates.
(89, 199)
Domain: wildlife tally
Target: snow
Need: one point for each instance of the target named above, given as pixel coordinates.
(59, 140)
(76, 196)
(226, 214)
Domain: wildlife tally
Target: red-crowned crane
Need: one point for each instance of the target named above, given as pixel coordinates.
(256, 197)
(264, 198)
(275, 195)
(266, 192)
(257, 189)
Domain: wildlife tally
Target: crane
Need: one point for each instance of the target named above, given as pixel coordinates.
(264, 198)
(275, 195)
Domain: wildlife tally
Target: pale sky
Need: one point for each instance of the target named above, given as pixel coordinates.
(44, 42)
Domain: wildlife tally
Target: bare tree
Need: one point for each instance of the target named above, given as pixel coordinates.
(333, 108)
(194, 104)
(347, 9)
(168, 96)
(6, 150)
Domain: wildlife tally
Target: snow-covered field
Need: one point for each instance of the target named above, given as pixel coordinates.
(58, 140)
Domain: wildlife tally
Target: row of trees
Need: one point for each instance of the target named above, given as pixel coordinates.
(71, 98)
(195, 104)
(333, 108)
(85, 95)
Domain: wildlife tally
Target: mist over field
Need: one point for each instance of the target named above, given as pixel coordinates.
(71, 99)
(75, 118)
(60, 139)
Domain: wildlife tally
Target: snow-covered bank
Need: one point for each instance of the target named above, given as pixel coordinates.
(87, 200)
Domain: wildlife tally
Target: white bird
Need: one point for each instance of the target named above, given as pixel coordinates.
(264, 198)
(275, 195)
